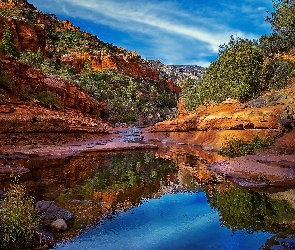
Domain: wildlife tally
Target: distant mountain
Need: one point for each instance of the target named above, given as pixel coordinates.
(179, 73)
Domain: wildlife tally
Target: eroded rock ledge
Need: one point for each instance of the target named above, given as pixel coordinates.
(272, 166)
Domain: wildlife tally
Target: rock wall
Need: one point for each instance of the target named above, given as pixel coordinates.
(68, 94)
(130, 63)
(9, 4)
(26, 36)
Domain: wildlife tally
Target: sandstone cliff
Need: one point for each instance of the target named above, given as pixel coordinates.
(271, 114)
(73, 56)
(77, 111)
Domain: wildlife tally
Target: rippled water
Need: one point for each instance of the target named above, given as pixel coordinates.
(174, 221)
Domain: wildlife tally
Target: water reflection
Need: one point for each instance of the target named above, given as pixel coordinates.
(99, 185)
(245, 209)
(176, 221)
(128, 177)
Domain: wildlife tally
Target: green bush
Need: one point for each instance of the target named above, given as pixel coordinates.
(47, 99)
(6, 82)
(235, 147)
(18, 219)
(278, 73)
(7, 44)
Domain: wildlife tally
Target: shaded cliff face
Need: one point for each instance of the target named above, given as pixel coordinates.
(33, 80)
(21, 111)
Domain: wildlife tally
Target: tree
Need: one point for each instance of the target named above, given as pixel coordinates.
(39, 57)
(7, 44)
(282, 21)
(235, 74)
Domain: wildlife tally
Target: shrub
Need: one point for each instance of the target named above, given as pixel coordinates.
(235, 147)
(47, 99)
(278, 73)
(6, 82)
(7, 44)
(19, 220)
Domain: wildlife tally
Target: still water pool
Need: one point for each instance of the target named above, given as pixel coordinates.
(142, 200)
(173, 221)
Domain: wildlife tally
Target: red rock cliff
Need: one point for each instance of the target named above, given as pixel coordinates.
(68, 94)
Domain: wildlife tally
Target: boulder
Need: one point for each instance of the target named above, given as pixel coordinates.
(50, 211)
(59, 225)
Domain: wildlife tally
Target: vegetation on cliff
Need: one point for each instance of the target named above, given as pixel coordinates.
(130, 87)
(244, 69)
(237, 147)
(7, 44)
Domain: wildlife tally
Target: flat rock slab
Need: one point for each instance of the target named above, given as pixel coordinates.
(258, 170)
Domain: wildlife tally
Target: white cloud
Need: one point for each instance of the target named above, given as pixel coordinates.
(146, 17)
(164, 28)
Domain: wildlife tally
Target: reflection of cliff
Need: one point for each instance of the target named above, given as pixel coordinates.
(96, 173)
(138, 174)
(182, 149)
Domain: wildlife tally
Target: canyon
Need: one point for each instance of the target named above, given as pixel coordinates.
(54, 146)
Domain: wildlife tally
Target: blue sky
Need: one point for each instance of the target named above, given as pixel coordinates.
(174, 32)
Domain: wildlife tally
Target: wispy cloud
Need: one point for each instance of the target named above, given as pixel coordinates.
(173, 29)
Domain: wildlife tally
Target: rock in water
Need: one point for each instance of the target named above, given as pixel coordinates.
(59, 225)
(51, 211)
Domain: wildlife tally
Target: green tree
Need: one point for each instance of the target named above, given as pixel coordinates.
(282, 21)
(7, 44)
(235, 74)
(39, 57)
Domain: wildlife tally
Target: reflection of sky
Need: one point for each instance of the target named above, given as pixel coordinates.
(175, 32)
(175, 221)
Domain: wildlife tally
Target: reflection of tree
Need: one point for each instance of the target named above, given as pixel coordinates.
(123, 171)
(244, 209)
(280, 241)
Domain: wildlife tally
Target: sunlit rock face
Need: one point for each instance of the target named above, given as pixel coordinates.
(129, 63)
(8, 4)
(224, 116)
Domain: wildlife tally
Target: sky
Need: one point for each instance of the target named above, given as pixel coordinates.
(183, 32)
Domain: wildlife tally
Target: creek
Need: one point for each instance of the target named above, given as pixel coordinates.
(147, 200)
